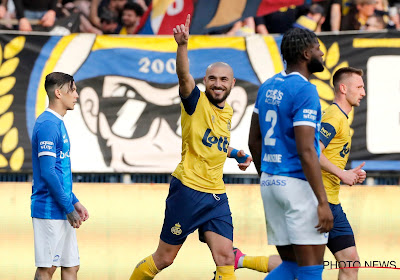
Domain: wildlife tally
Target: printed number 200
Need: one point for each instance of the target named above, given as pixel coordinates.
(157, 65)
(271, 117)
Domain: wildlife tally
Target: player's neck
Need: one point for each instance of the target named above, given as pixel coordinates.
(344, 105)
(58, 108)
(300, 69)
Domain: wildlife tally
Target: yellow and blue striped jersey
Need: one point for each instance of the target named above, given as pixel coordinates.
(335, 135)
(205, 142)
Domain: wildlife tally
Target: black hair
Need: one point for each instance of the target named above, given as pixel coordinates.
(135, 7)
(57, 80)
(294, 42)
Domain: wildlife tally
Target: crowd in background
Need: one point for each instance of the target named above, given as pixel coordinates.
(126, 16)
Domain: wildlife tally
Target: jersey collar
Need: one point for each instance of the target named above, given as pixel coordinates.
(341, 110)
(54, 113)
(293, 73)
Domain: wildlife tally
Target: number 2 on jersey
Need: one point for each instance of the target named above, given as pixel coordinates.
(271, 117)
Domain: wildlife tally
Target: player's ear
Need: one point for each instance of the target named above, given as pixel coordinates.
(238, 101)
(89, 101)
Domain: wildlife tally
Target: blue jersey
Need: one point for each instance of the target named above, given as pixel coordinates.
(283, 102)
(52, 196)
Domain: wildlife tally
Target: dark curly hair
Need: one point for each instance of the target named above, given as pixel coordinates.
(294, 42)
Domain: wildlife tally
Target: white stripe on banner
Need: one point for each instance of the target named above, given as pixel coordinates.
(260, 57)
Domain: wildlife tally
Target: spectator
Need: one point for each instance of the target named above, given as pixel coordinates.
(243, 27)
(313, 20)
(374, 23)
(131, 18)
(277, 22)
(109, 22)
(358, 15)
(334, 14)
(98, 5)
(42, 10)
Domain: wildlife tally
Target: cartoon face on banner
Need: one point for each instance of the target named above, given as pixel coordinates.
(128, 118)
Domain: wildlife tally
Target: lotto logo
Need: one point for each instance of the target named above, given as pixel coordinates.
(209, 140)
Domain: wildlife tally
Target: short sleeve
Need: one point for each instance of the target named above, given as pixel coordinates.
(306, 107)
(190, 102)
(47, 136)
(329, 127)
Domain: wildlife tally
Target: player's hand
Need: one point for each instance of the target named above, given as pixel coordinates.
(82, 211)
(362, 175)
(74, 219)
(325, 218)
(181, 32)
(349, 177)
(243, 166)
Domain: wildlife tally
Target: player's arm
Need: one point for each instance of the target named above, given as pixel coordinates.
(304, 136)
(348, 177)
(336, 15)
(241, 157)
(186, 81)
(255, 142)
(47, 161)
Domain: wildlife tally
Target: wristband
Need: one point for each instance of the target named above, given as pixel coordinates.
(234, 154)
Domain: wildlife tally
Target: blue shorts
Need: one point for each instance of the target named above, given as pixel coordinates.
(341, 235)
(188, 210)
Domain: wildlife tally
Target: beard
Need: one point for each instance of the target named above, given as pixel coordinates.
(216, 101)
(315, 65)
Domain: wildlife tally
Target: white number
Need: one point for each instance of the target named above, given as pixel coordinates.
(272, 117)
(146, 63)
(157, 66)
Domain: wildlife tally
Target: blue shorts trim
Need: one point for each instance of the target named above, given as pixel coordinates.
(187, 210)
(341, 225)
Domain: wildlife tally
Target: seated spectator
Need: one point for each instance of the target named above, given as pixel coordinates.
(44, 11)
(358, 15)
(131, 18)
(374, 23)
(112, 5)
(313, 20)
(243, 28)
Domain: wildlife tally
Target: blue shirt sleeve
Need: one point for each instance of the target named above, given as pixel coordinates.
(326, 133)
(190, 102)
(74, 199)
(306, 107)
(47, 135)
(48, 174)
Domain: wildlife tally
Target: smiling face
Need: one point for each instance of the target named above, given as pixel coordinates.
(219, 82)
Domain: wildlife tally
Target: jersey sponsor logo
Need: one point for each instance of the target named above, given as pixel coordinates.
(209, 140)
(176, 229)
(345, 150)
(310, 114)
(64, 155)
(273, 96)
(325, 132)
(46, 145)
(273, 158)
(273, 182)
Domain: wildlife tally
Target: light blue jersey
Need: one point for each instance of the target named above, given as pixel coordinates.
(283, 102)
(52, 196)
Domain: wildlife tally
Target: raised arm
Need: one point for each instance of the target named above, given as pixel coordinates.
(186, 81)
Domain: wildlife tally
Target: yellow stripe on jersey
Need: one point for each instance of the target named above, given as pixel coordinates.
(338, 149)
(205, 142)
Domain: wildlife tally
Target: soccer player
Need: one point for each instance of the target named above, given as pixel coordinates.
(55, 210)
(197, 198)
(284, 143)
(335, 143)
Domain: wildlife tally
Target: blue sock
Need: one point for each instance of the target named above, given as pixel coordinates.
(312, 272)
(285, 271)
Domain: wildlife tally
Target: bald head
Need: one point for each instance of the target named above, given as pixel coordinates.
(220, 65)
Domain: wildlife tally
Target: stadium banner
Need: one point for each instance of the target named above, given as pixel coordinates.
(128, 116)
(125, 223)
